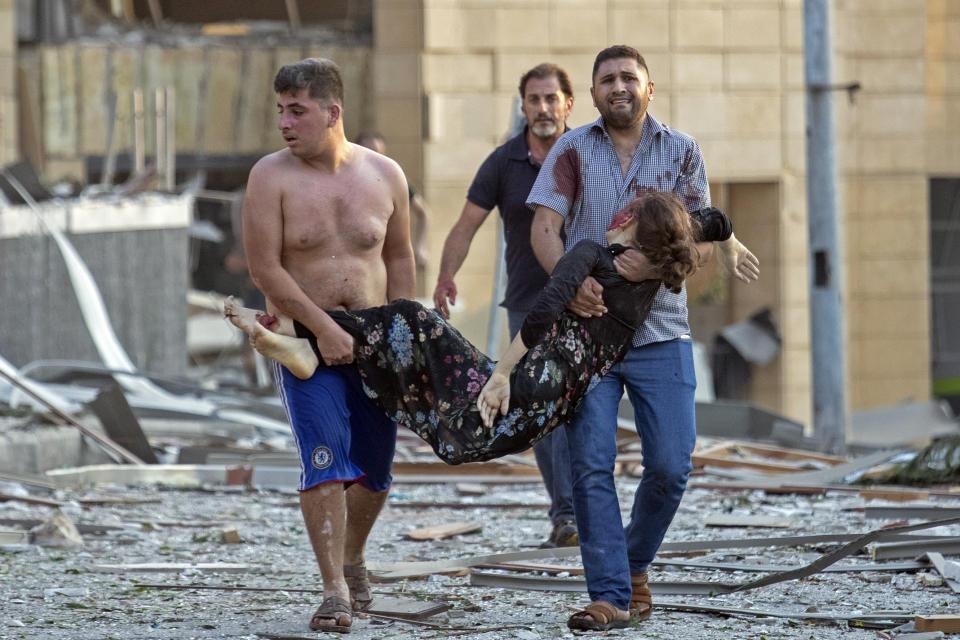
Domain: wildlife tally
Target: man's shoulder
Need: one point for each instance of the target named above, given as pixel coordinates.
(272, 164)
(581, 133)
(369, 161)
(514, 148)
(679, 137)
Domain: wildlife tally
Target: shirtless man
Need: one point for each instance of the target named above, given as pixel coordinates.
(326, 226)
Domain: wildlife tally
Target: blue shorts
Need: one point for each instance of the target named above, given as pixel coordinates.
(341, 435)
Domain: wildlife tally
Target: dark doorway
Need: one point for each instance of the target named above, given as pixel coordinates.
(945, 289)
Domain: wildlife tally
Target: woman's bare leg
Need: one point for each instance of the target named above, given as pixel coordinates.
(293, 353)
(245, 318)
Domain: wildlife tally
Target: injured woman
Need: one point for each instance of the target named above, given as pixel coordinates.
(427, 377)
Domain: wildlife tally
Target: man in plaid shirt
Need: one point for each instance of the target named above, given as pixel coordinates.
(590, 174)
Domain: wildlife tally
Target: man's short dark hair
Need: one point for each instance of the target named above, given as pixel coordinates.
(319, 75)
(545, 70)
(619, 51)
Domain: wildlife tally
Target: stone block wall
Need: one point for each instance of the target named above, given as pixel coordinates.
(884, 157)
(731, 72)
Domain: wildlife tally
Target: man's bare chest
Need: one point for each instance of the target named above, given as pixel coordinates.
(353, 221)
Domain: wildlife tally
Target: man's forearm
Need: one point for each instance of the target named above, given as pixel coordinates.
(401, 276)
(545, 239)
(285, 295)
(455, 250)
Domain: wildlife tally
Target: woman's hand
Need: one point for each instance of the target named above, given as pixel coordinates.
(738, 260)
(494, 395)
(634, 266)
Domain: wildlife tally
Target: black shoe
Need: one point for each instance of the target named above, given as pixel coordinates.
(564, 534)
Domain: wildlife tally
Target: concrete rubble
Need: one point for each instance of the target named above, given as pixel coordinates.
(215, 560)
(772, 540)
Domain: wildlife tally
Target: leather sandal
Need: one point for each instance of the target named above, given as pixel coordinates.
(641, 601)
(359, 585)
(602, 616)
(330, 616)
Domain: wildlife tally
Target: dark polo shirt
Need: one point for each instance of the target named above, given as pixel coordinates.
(504, 181)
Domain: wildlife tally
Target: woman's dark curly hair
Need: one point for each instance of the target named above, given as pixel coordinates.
(666, 236)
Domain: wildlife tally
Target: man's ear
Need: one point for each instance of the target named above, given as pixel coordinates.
(335, 111)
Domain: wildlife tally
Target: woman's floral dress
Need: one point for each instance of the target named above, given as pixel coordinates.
(427, 376)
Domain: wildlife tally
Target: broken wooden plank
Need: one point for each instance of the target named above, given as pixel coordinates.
(5, 497)
(900, 495)
(732, 520)
(470, 489)
(945, 623)
(443, 531)
(820, 477)
(764, 458)
(225, 29)
(406, 608)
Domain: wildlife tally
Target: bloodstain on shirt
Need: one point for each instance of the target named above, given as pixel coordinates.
(566, 175)
(641, 189)
(691, 195)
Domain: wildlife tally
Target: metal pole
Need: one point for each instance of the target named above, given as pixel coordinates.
(170, 166)
(826, 277)
(139, 160)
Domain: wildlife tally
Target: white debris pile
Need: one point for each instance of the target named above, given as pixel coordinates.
(230, 563)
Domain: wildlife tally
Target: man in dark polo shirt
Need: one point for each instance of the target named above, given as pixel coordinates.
(504, 181)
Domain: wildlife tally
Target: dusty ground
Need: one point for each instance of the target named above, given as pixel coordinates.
(95, 604)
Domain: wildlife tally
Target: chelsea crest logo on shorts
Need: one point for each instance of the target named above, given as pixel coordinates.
(322, 457)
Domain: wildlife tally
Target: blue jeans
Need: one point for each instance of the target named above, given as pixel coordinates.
(551, 454)
(660, 383)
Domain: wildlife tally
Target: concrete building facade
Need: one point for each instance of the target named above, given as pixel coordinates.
(730, 72)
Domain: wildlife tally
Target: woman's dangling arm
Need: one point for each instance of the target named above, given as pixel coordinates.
(495, 394)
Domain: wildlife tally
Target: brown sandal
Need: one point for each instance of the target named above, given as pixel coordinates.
(333, 609)
(603, 616)
(359, 585)
(641, 601)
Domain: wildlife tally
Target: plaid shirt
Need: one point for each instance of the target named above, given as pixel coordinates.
(581, 180)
